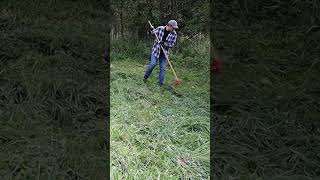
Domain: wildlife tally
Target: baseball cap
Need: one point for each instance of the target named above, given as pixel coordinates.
(173, 23)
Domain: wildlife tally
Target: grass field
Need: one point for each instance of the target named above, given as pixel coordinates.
(54, 100)
(156, 133)
(266, 103)
(52, 90)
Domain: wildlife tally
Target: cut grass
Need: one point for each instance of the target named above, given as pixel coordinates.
(154, 133)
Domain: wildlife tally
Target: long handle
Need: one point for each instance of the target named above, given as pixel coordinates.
(165, 54)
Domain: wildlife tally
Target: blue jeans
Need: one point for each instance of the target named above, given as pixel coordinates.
(153, 63)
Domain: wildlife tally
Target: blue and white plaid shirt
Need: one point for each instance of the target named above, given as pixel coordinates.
(170, 40)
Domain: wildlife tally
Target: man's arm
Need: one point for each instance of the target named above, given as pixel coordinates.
(153, 31)
(171, 41)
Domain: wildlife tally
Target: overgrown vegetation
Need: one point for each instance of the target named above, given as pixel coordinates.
(53, 90)
(130, 16)
(266, 99)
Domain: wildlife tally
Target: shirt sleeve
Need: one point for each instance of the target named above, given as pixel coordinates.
(171, 41)
(156, 30)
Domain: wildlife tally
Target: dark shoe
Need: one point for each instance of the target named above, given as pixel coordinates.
(144, 80)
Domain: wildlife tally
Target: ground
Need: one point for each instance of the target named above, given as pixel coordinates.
(158, 133)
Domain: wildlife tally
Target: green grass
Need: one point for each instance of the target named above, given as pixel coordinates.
(52, 91)
(156, 133)
(266, 104)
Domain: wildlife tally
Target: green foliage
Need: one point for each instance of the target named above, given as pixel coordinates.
(130, 17)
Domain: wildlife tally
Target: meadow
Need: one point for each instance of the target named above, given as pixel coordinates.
(159, 132)
(266, 101)
(53, 90)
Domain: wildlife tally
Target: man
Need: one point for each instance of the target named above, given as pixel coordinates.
(167, 36)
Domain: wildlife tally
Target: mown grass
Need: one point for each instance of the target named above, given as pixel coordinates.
(156, 133)
(52, 90)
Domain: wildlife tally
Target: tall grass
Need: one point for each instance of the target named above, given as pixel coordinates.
(52, 91)
(265, 104)
(187, 53)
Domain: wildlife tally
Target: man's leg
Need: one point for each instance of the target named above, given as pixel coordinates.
(163, 66)
(153, 63)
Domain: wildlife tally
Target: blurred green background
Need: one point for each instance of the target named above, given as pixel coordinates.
(265, 102)
(53, 89)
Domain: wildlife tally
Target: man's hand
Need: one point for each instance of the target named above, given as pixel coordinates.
(165, 48)
(151, 31)
(164, 45)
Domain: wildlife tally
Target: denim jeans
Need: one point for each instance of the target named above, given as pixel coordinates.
(153, 63)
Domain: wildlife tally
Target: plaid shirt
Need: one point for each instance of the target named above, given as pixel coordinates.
(170, 40)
